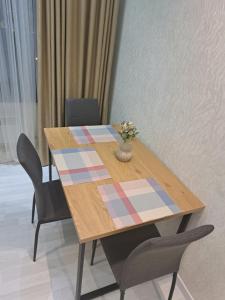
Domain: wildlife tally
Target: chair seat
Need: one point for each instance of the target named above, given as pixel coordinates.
(118, 247)
(54, 206)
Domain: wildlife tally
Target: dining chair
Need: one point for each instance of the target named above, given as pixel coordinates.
(48, 197)
(134, 260)
(81, 112)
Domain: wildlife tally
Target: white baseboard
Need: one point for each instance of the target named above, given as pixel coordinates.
(163, 285)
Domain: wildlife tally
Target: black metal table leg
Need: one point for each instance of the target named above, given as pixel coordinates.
(80, 271)
(184, 222)
(93, 294)
(50, 164)
(94, 245)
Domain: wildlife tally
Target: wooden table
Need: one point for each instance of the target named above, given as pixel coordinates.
(91, 219)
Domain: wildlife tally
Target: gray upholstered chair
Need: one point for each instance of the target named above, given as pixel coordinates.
(81, 112)
(134, 257)
(49, 196)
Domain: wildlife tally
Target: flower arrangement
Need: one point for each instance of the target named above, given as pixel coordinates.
(127, 131)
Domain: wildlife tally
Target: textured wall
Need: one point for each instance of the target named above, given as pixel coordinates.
(170, 80)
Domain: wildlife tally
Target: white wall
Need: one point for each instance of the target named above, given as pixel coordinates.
(170, 80)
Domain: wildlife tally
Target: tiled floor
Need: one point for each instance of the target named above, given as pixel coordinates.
(54, 273)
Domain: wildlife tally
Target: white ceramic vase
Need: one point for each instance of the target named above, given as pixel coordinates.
(124, 152)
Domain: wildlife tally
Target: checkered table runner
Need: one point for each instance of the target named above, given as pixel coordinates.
(94, 134)
(79, 165)
(137, 201)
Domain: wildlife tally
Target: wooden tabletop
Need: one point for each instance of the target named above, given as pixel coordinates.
(90, 216)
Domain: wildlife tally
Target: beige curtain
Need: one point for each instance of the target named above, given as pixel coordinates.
(75, 42)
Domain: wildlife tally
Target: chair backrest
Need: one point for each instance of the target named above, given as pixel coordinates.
(80, 112)
(29, 159)
(158, 256)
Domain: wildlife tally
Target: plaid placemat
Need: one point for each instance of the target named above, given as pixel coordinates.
(94, 134)
(79, 165)
(137, 201)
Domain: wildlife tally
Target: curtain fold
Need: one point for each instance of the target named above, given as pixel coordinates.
(75, 47)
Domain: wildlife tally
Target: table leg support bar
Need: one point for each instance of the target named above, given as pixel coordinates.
(50, 164)
(100, 292)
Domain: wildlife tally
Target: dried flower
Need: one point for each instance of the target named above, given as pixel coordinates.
(127, 131)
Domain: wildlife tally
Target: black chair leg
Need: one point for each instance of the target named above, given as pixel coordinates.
(122, 295)
(33, 209)
(36, 240)
(173, 286)
(94, 245)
